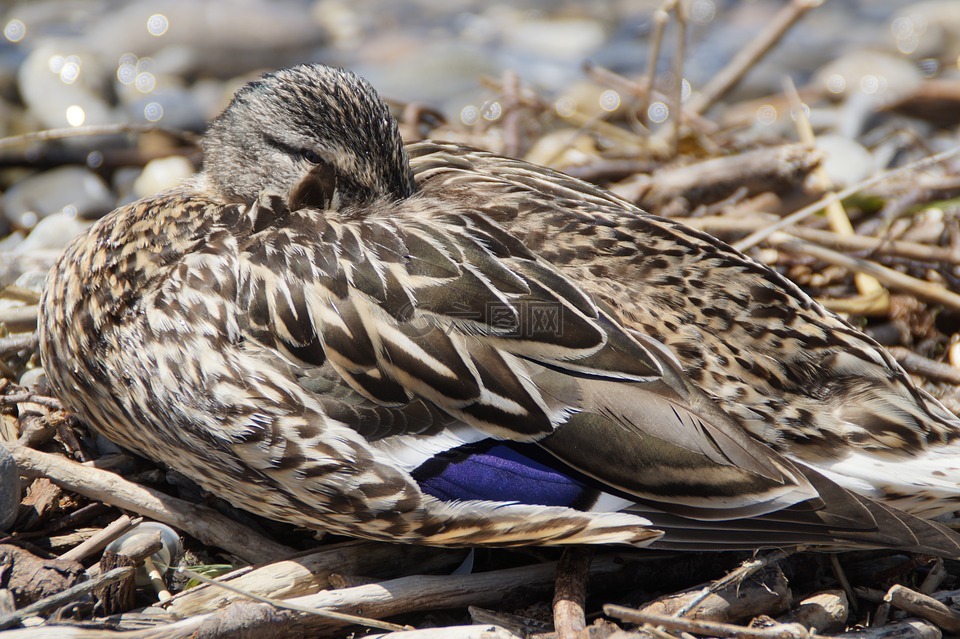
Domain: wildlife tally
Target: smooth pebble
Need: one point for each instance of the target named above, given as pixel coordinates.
(52, 232)
(71, 189)
(162, 174)
(847, 161)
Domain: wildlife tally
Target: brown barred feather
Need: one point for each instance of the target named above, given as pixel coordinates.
(314, 311)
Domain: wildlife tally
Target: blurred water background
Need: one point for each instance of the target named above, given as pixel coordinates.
(175, 63)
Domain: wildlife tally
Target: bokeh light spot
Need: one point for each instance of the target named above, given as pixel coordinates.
(658, 112)
(15, 30)
(470, 115)
(75, 115)
(157, 24)
(153, 112)
(609, 100)
(767, 114)
(565, 107)
(145, 82)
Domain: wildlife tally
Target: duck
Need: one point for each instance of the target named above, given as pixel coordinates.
(433, 344)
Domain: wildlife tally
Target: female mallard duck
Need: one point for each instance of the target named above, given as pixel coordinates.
(475, 350)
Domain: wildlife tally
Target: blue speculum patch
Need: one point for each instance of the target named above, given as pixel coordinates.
(493, 471)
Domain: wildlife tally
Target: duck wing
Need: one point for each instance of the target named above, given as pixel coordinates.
(419, 306)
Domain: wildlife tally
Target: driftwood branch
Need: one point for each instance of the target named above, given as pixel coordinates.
(65, 596)
(380, 601)
(924, 606)
(201, 522)
(309, 572)
(570, 593)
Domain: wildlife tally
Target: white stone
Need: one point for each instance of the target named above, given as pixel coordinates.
(847, 162)
(62, 84)
(161, 174)
(71, 188)
(52, 232)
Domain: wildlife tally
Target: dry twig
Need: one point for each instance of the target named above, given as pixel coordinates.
(729, 76)
(712, 628)
(571, 593)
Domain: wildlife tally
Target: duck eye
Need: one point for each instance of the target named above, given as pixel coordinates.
(311, 156)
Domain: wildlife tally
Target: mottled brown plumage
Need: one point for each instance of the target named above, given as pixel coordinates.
(799, 378)
(466, 349)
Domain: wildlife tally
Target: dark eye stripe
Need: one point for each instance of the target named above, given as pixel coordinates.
(309, 155)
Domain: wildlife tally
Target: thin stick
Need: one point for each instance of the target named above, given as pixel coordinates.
(22, 342)
(31, 398)
(711, 628)
(19, 319)
(736, 576)
(100, 540)
(511, 113)
(660, 18)
(731, 75)
(879, 246)
(837, 217)
(485, 631)
(924, 366)
(156, 580)
(890, 277)
(758, 236)
(841, 576)
(678, 61)
(287, 605)
(93, 130)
